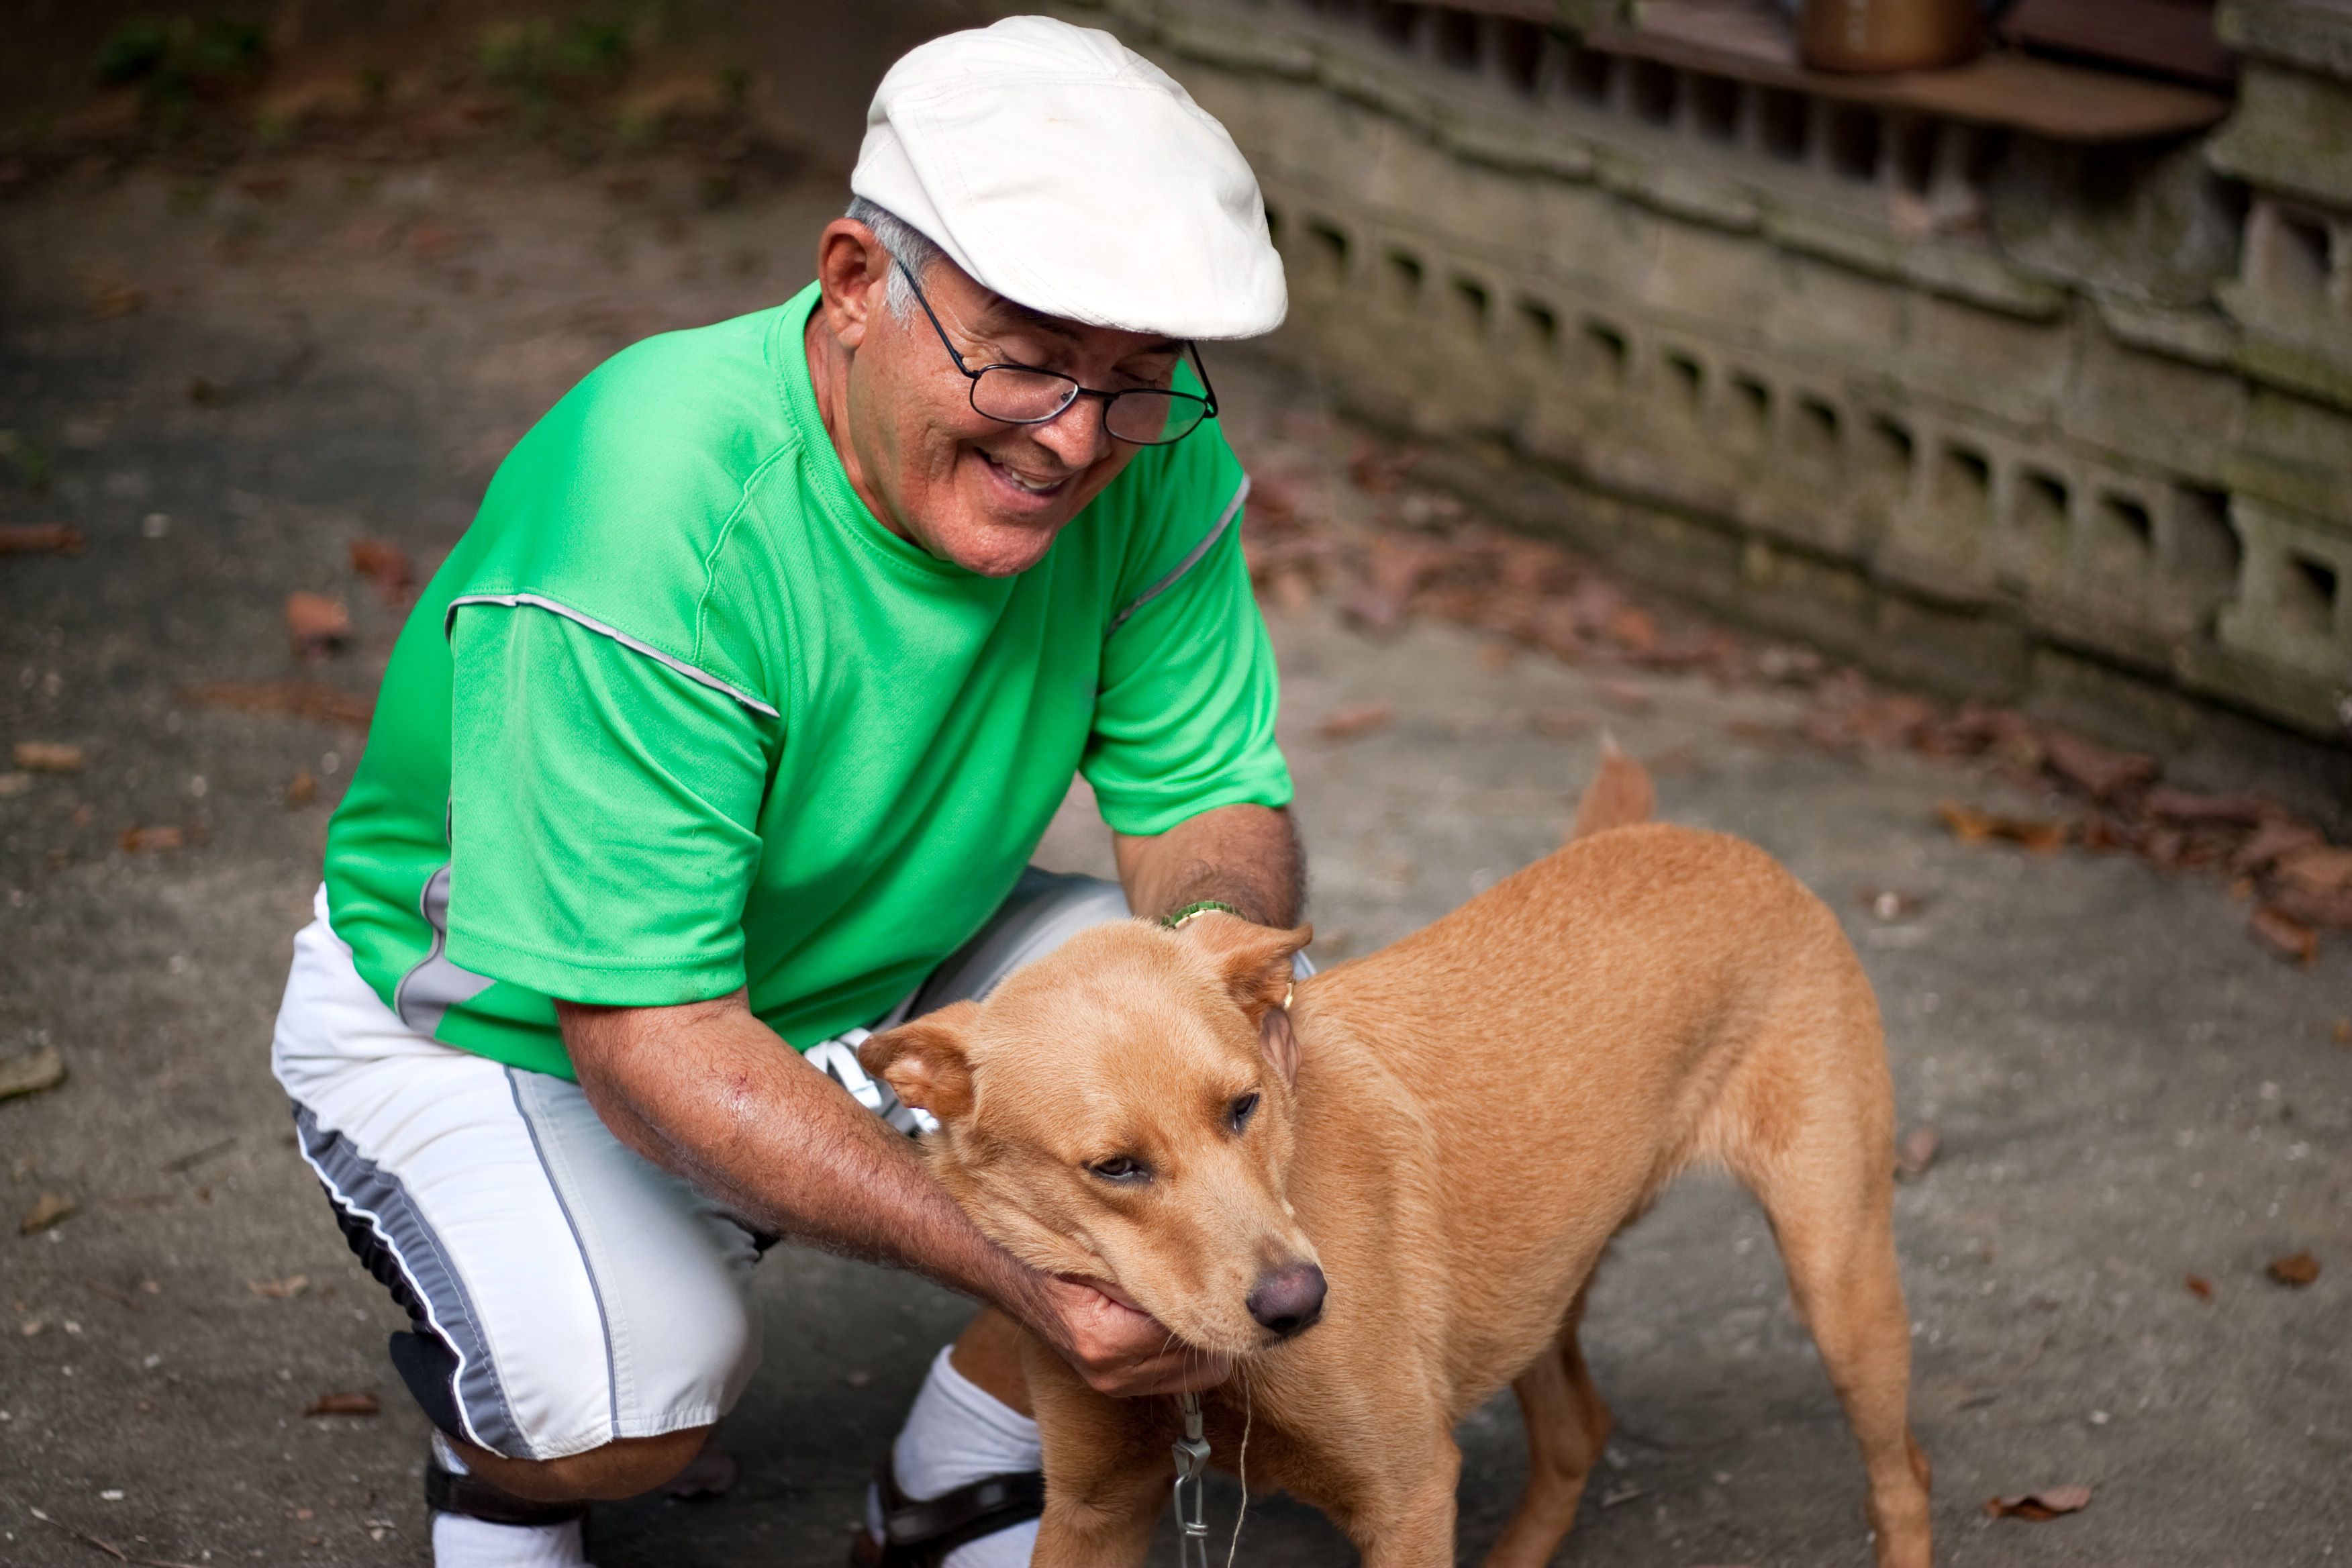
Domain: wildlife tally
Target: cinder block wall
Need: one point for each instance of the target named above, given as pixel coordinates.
(2061, 423)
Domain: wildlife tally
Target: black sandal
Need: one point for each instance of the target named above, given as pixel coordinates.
(446, 1491)
(921, 1534)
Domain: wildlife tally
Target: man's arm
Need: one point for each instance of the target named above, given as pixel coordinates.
(709, 1091)
(1246, 856)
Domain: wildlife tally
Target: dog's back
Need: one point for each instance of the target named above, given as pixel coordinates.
(1571, 1039)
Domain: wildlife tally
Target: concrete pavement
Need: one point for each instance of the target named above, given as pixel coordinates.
(2127, 1090)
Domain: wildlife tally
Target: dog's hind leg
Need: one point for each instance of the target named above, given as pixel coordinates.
(1567, 1425)
(1817, 1149)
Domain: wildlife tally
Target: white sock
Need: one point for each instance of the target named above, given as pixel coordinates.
(959, 1432)
(459, 1542)
(462, 1543)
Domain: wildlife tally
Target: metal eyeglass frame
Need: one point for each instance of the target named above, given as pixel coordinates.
(1208, 403)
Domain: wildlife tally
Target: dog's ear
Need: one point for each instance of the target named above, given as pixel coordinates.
(1279, 1043)
(1254, 959)
(924, 1062)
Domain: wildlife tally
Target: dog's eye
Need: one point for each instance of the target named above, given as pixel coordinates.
(1238, 1114)
(1120, 1168)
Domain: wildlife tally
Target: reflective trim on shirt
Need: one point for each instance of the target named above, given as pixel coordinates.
(1232, 511)
(702, 676)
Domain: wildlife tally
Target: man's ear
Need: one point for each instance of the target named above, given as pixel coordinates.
(1254, 960)
(924, 1062)
(850, 262)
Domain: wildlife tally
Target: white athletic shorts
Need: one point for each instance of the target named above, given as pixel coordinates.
(565, 1292)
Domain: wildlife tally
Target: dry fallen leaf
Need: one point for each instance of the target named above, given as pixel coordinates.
(2237, 810)
(279, 1290)
(137, 840)
(1971, 825)
(386, 564)
(110, 299)
(31, 1072)
(2097, 772)
(316, 624)
(2296, 1270)
(2344, 1031)
(47, 757)
(2047, 1503)
(1356, 718)
(304, 789)
(46, 1210)
(39, 539)
(2274, 838)
(2199, 1287)
(1916, 1152)
(2326, 909)
(356, 1402)
(311, 700)
(2284, 935)
(2323, 868)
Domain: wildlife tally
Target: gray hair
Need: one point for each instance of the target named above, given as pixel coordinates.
(907, 246)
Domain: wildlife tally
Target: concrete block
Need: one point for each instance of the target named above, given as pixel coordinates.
(2200, 335)
(1955, 652)
(2015, 371)
(2149, 223)
(2296, 452)
(2294, 606)
(2153, 408)
(2291, 132)
(2316, 36)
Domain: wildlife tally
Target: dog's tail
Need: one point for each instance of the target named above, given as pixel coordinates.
(1620, 794)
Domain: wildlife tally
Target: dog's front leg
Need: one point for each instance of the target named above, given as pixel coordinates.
(1107, 1468)
(1403, 1517)
(1103, 1519)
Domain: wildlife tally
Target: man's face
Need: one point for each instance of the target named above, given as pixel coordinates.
(986, 495)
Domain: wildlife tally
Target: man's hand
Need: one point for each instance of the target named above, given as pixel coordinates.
(1121, 1349)
(707, 1090)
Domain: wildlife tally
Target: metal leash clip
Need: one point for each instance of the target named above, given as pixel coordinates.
(1192, 1501)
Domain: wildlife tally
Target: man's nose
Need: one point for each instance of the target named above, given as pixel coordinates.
(1076, 435)
(1288, 1299)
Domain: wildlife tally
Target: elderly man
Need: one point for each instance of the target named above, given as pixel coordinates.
(729, 728)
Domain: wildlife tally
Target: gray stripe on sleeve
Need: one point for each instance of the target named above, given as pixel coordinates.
(1232, 511)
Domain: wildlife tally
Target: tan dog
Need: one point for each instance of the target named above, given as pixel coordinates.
(1450, 1130)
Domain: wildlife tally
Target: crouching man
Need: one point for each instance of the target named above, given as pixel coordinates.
(724, 736)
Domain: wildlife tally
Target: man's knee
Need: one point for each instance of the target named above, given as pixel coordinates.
(621, 1468)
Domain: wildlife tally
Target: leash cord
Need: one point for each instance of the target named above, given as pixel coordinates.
(1249, 1414)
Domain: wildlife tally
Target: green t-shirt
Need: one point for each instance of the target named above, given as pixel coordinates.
(678, 715)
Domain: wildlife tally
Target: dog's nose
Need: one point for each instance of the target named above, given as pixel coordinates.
(1289, 1299)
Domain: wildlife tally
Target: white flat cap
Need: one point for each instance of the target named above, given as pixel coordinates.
(1066, 172)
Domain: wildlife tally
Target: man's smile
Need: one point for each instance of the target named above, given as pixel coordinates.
(1026, 492)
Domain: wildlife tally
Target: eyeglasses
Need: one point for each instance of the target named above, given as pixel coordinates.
(1023, 395)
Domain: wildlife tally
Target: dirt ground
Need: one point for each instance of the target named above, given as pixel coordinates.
(228, 380)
